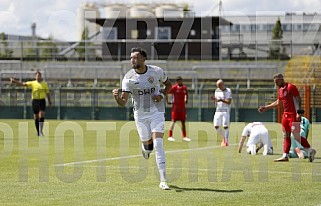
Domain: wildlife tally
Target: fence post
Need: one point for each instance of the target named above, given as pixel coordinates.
(58, 102)
(237, 103)
(307, 105)
(314, 118)
(199, 113)
(93, 103)
(25, 103)
(280, 111)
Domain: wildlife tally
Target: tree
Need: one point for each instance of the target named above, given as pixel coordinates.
(186, 10)
(276, 42)
(81, 48)
(48, 48)
(5, 46)
(84, 49)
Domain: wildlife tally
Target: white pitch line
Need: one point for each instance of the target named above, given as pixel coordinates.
(133, 156)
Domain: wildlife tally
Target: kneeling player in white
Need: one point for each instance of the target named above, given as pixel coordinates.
(258, 134)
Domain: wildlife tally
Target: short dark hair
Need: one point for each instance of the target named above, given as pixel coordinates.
(140, 50)
(179, 78)
(278, 76)
(38, 72)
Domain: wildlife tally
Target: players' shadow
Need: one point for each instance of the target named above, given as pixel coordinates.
(317, 158)
(183, 189)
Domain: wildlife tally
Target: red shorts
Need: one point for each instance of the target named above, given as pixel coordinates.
(181, 116)
(289, 123)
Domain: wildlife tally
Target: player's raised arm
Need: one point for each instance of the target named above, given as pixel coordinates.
(274, 104)
(122, 99)
(13, 80)
(168, 86)
(164, 93)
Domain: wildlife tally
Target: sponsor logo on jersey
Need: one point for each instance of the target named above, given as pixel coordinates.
(146, 91)
(151, 79)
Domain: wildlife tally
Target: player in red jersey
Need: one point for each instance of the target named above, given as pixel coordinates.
(289, 97)
(179, 100)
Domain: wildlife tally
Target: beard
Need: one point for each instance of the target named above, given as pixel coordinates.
(136, 66)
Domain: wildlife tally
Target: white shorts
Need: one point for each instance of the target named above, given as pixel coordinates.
(259, 137)
(149, 124)
(221, 119)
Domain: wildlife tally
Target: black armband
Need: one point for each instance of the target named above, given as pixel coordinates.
(300, 111)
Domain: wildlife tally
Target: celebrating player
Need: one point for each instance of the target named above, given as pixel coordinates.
(289, 97)
(40, 91)
(178, 101)
(143, 82)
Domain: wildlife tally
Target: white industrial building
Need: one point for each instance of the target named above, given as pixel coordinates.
(112, 10)
(251, 34)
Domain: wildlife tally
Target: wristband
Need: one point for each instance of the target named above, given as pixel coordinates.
(162, 94)
(300, 111)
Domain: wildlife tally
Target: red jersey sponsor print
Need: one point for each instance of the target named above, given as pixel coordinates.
(286, 95)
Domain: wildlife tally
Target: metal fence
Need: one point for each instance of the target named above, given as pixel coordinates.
(92, 100)
(44, 50)
(99, 104)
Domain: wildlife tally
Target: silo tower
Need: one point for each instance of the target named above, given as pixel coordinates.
(85, 11)
(141, 10)
(115, 11)
(169, 10)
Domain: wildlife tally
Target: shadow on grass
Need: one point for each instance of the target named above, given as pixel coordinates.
(183, 189)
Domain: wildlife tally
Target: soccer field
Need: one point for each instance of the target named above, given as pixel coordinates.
(100, 163)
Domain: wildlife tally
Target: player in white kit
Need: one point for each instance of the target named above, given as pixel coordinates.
(258, 135)
(222, 98)
(143, 83)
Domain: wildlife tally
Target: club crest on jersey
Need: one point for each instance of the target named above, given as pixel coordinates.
(284, 94)
(151, 79)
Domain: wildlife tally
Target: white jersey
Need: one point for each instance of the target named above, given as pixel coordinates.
(142, 88)
(225, 94)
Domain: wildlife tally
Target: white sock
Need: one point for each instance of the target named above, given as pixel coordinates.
(265, 149)
(227, 133)
(160, 158)
(41, 126)
(220, 131)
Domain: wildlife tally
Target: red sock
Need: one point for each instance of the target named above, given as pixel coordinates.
(184, 133)
(305, 142)
(170, 133)
(286, 145)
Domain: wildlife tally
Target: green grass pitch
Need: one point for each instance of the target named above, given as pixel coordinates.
(100, 163)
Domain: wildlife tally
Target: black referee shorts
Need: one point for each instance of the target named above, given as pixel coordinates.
(38, 105)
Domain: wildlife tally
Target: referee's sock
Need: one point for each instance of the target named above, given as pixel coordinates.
(37, 125)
